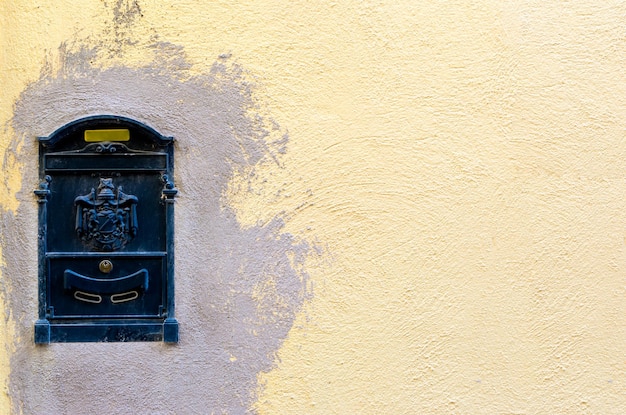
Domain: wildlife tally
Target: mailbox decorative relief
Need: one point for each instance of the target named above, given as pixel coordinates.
(107, 218)
(106, 237)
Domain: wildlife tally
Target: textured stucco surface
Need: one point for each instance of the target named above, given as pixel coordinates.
(461, 164)
(238, 288)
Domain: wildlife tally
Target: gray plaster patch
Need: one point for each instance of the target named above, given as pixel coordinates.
(238, 289)
(125, 13)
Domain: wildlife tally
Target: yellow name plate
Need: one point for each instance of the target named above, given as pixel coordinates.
(92, 136)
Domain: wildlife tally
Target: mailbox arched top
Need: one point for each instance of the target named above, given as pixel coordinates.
(70, 136)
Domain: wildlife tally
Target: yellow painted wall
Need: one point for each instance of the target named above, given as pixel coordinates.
(462, 165)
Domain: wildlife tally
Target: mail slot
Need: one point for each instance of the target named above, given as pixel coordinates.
(106, 233)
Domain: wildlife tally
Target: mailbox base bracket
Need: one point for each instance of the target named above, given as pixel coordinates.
(106, 331)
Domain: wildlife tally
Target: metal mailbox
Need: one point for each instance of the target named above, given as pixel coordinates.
(106, 233)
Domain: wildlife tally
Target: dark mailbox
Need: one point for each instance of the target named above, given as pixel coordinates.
(106, 229)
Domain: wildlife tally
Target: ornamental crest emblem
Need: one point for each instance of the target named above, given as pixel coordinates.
(106, 218)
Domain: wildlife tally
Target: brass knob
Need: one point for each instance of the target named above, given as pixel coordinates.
(106, 266)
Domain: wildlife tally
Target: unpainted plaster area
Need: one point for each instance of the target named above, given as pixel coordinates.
(238, 289)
